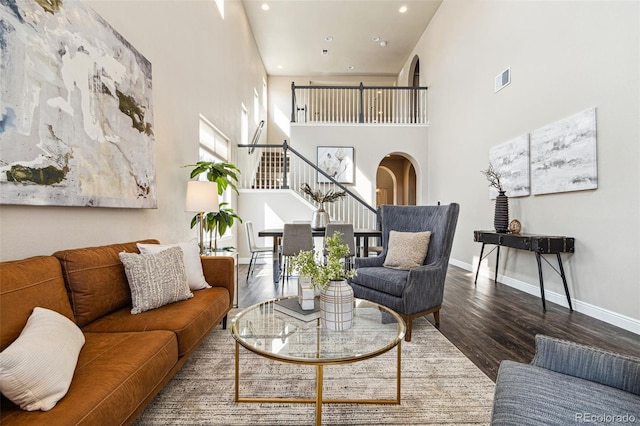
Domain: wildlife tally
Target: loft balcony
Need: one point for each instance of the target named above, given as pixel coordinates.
(359, 104)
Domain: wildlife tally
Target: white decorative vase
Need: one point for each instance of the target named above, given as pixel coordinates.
(336, 306)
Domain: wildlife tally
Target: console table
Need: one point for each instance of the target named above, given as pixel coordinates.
(539, 244)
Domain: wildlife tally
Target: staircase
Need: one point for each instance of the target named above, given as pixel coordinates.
(270, 170)
(282, 167)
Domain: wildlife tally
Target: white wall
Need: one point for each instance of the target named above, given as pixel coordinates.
(201, 64)
(565, 57)
(371, 142)
(269, 209)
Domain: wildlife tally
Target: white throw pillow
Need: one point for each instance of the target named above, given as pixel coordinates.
(155, 279)
(37, 368)
(192, 263)
(406, 250)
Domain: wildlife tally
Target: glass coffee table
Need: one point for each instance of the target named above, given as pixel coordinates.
(272, 334)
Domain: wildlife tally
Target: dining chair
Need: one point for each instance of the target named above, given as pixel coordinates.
(346, 229)
(255, 250)
(296, 237)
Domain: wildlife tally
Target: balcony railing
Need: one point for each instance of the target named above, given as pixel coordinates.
(358, 104)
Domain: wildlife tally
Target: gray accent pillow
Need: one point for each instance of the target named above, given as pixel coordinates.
(156, 279)
(406, 250)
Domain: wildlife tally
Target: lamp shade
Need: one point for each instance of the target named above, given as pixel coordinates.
(202, 196)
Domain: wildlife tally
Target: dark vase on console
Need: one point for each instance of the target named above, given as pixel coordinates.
(501, 217)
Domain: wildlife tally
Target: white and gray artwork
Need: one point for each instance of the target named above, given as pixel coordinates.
(511, 161)
(75, 111)
(337, 162)
(563, 155)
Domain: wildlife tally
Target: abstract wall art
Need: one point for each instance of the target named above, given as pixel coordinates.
(511, 161)
(337, 162)
(563, 155)
(76, 116)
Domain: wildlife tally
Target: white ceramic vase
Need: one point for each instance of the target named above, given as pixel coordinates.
(336, 306)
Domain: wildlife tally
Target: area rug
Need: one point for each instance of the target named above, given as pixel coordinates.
(439, 386)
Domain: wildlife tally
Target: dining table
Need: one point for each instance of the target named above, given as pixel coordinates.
(361, 235)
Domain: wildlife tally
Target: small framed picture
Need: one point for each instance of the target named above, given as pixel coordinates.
(337, 162)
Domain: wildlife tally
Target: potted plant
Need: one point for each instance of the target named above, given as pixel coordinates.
(217, 223)
(336, 295)
(320, 217)
(226, 176)
(501, 215)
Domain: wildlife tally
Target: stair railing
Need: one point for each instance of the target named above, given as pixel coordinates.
(292, 169)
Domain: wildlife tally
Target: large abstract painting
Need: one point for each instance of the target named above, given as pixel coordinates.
(75, 109)
(511, 161)
(563, 155)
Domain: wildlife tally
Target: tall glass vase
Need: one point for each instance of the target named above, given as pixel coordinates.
(501, 216)
(336, 306)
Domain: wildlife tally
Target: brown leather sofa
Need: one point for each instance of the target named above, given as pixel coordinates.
(126, 359)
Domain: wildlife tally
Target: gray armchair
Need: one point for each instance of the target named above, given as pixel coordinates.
(416, 292)
(567, 383)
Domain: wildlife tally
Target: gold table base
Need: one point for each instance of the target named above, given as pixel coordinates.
(318, 400)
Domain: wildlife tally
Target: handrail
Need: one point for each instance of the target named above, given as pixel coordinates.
(335, 182)
(256, 136)
(286, 148)
(350, 104)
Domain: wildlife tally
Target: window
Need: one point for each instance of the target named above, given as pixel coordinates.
(264, 94)
(256, 106)
(244, 126)
(220, 4)
(213, 141)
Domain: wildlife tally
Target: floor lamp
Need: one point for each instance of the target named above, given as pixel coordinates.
(202, 197)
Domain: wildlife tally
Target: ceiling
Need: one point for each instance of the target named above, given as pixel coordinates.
(292, 34)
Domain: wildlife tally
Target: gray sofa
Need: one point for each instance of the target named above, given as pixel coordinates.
(568, 383)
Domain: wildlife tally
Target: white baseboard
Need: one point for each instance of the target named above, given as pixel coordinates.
(610, 317)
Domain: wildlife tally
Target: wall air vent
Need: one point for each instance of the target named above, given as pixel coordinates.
(502, 80)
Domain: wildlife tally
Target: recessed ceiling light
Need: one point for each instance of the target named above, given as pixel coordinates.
(383, 44)
(279, 67)
(328, 38)
(265, 6)
(351, 67)
(375, 39)
(402, 9)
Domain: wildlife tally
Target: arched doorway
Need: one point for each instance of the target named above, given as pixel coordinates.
(414, 72)
(396, 181)
(414, 81)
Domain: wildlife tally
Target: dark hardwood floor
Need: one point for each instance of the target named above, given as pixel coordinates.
(488, 322)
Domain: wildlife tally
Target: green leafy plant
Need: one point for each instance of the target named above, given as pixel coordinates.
(217, 223)
(307, 264)
(322, 197)
(226, 176)
(493, 177)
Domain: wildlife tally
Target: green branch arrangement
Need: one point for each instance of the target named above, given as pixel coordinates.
(493, 177)
(320, 197)
(321, 274)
